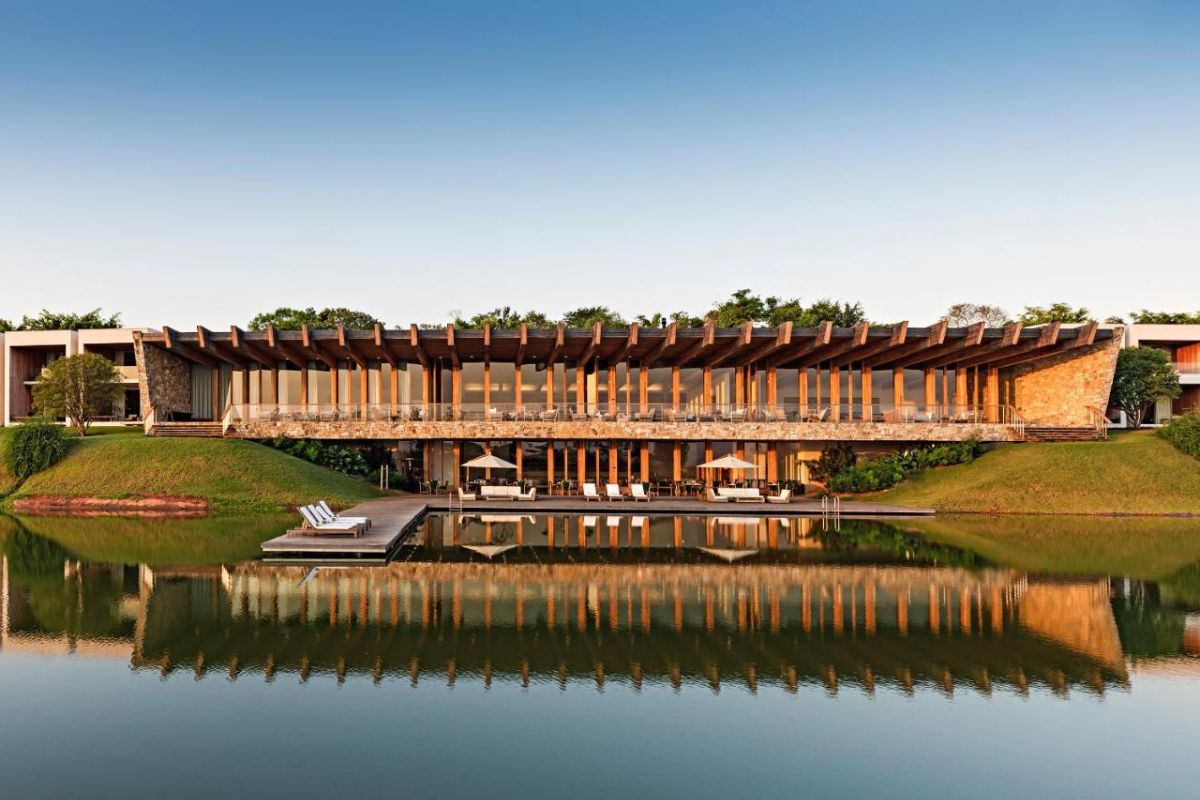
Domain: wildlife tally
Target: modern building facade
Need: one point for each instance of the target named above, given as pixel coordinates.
(27, 353)
(630, 404)
(1182, 344)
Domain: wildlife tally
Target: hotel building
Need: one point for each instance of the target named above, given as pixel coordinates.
(629, 404)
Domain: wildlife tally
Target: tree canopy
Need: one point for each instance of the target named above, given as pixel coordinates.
(80, 387)
(962, 314)
(587, 316)
(743, 306)
(1058, 312)
(1147, 317)
(63, 321)
(1144, 375)
(503, 317)
(290, 319)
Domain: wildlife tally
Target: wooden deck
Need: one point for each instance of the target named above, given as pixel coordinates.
(394, 517)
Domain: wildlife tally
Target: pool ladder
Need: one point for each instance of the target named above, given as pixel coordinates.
(831, 507)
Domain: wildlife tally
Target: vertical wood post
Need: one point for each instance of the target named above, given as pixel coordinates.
(675, 387)
(835, 393)
(868, 393)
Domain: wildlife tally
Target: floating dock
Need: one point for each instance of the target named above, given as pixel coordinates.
(393, 519)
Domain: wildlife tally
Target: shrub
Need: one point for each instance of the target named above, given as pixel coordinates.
(1183, 431)
(35, 446)
(886, 471)
(834, 459)
(331, 456)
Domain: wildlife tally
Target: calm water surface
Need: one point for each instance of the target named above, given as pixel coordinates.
(601, 655)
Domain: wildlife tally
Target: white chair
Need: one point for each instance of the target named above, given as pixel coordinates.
(638, 492)
(589, 492)
(531, 495)
(784, 496)
(613, 492)
(331, 516)
(464, 495)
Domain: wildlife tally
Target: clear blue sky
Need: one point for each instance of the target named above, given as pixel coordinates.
(196, 165)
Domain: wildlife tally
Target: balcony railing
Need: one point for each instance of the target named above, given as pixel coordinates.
(849, 413)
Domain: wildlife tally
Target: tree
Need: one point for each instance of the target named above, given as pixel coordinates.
(503, 317)
(290, 319)
(5, 325)
(1058, 312)
(842, 315)
(588, 316)
(1144, 375)
(1146, 317)
(51, 321)
(80, 387)
(740, 308)
(962, 314)
(681, 318)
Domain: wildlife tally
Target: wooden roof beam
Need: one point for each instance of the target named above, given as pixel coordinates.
(597, 337)
(237, 338)
(630, 342)
(740, 346)
(311, 345)
(831, 351)
(346, 344)
(454, 357)
(414, 340)
(898, 336)
(782, 340)
(1085, 336)
(217, 350)
(381, 342)
(655, 353)
(936, 337)
(523, 340)
(286, 353)
(1010, 339)
(957, 348)
(184, 350)
(707, 340)
(822, 337)
(559, 342)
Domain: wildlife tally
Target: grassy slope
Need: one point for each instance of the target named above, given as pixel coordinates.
(7, 479)
(233, 475)
(1132, 473)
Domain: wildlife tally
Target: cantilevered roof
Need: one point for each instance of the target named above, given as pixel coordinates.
(787, 346)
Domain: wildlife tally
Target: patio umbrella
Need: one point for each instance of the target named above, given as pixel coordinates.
(730, 462)
(487, 461)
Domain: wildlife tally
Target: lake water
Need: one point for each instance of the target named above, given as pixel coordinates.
(604, 655)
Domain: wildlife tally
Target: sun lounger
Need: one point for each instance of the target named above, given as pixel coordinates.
(784, 496)
(613, 492)
(315, 525)
(589, 492)
(332, 516)
(638, 492)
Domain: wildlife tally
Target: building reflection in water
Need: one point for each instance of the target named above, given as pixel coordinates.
(575, 600)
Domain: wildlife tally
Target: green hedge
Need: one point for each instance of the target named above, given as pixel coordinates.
(1184, 432)
(35, 446)
(886, 471)
(331, 456)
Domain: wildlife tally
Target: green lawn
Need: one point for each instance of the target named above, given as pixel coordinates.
(1131, 473)
(7, 479)
(235, 476)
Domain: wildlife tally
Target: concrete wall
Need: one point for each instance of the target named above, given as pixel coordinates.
(1059, 391)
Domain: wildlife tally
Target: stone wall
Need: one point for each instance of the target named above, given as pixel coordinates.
(1059, 390)
(164, 380)
(891, 432)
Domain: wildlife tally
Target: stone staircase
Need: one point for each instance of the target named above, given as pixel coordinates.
(207, 430)
(1046, 433)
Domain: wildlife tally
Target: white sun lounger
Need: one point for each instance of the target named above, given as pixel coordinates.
(613, 492)
(331, 516)
(638, 492)
(314, 524)
(589, 492)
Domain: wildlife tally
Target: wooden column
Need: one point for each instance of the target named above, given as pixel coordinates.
(519, 452)
(612, 389)
(802, 391)
(364, 387)
(303, 386)
(772, 462)
(455, 392)
(245, 385)
(868, 392)
(835, 393)
(961, 398)
(643, 388)
(274, 387)
(580, 390)
(581, 463)
(706, 378)
(898, 391)
(993, 394)
(677, 462)
(333, 384)
(549, 465)
(930, 388)
(613, 471)
(739, 386)
(393, 390)
(772, 388)
(487, 385)
(675, 388)
(644, 466)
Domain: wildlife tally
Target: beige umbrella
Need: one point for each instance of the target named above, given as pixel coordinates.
(729, 462)
(487, 461)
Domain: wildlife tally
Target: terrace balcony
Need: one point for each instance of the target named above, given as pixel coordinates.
(815, 422)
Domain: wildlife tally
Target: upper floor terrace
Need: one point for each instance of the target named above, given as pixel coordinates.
(891, 382)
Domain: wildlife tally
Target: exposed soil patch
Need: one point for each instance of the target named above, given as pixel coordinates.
(160, 506)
